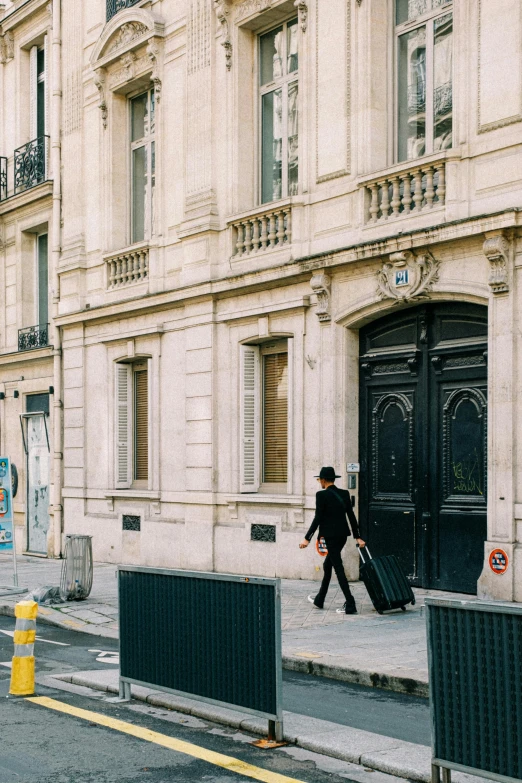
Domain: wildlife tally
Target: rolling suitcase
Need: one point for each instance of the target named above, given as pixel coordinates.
(386, 582)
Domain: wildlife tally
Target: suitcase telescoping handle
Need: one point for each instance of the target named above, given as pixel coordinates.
(361, 552)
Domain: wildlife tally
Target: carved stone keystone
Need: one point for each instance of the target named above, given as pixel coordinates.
(407, 276)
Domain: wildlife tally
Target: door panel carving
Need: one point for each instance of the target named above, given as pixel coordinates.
(392, 447)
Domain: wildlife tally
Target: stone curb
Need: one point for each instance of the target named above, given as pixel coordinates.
(388, 682)
(372, 751)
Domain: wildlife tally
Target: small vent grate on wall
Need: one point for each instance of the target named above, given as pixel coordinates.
(131, 523)
(263, 533)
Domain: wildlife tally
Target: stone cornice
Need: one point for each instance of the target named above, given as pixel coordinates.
(21, 14)
(23, 357)
(298, 271)
(44, 190)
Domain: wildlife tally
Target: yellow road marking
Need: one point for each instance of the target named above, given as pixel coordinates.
(217, 759)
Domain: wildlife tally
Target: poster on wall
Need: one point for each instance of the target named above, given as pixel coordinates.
(6, 507)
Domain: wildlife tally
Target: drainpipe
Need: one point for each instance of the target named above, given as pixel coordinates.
(56, 239)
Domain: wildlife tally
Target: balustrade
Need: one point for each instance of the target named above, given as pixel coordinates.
(268, 230)
(30, 164)
(113, 6)
(3, 179)
(33, 337)
(412, 191)
(131, 266)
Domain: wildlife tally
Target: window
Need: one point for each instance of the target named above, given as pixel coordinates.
(38, 75)
(42, 280)
(37, 403)
(279, 90)
(265, 416)
(424, 30)
(132, 424)
(143, 166)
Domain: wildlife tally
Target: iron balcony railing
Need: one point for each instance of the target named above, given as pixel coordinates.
(113, 6)
(3, 179)
(30, 164)
(33, 337)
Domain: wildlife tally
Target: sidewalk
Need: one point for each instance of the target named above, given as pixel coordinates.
(384, 651)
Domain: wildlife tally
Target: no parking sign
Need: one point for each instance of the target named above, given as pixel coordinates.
(498, 561)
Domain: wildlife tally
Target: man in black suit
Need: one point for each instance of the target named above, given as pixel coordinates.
(332, 505)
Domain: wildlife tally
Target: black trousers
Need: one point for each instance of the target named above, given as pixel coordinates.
(333, 560)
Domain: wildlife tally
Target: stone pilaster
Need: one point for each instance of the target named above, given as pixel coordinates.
(502, 403)
(200, 199)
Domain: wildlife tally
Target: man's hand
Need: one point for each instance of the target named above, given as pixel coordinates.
(361, 543)
(304, 543)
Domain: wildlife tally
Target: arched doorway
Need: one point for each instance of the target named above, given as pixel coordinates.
(423, 429)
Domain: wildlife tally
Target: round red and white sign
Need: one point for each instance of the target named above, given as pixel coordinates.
(321, 547)
(498, 561)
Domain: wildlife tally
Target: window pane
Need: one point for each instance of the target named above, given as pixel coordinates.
(40, 62)
(272, 146)
(406, 10)
(412, 94)
(139, 193)
(139, 117)
(37, 403)
(152, 222)
(152, 112)
(271, 56)
(443, 92)
(293, 139)
(275, 418)
(141, 426)
(292, 56)
(43, 281)
(40, 108)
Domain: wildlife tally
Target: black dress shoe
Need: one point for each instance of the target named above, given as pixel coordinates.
(347, 610)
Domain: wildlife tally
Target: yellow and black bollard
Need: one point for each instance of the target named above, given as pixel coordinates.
(22, 672)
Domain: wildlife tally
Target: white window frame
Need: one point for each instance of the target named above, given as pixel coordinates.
(425, 20)
(125, 425)
(282, 83)
(147, 142)
(251, 416)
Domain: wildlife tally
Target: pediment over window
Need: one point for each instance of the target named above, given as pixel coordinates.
(127, 31)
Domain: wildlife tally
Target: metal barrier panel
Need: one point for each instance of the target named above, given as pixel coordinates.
(475, 665)
(215, 637)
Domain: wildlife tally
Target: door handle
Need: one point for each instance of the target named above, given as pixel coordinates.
(426, 518)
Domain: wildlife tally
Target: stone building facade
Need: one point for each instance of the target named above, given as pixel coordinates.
(280, 235)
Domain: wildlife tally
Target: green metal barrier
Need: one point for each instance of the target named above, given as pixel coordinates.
(475, 669)
(212, 637)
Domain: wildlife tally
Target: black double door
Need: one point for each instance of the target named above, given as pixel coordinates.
(423, 430)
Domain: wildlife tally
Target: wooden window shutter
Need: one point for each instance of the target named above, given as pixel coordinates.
(33, 89)
(123, 426)
(141, 425)
(250, 418)
(275, 418)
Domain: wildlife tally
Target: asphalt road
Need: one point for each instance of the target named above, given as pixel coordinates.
(390, 714)
(42, 745)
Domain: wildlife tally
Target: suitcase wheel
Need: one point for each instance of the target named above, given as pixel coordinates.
(403, 608)
(379, 611)
(413, 602)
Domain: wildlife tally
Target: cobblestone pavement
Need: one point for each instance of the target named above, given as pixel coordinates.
(392, 645)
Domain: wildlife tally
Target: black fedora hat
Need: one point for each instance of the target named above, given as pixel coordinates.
(328, 474)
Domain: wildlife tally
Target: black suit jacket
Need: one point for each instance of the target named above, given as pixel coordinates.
(331, 507)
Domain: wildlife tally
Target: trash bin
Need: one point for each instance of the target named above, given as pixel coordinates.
(76, 580)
